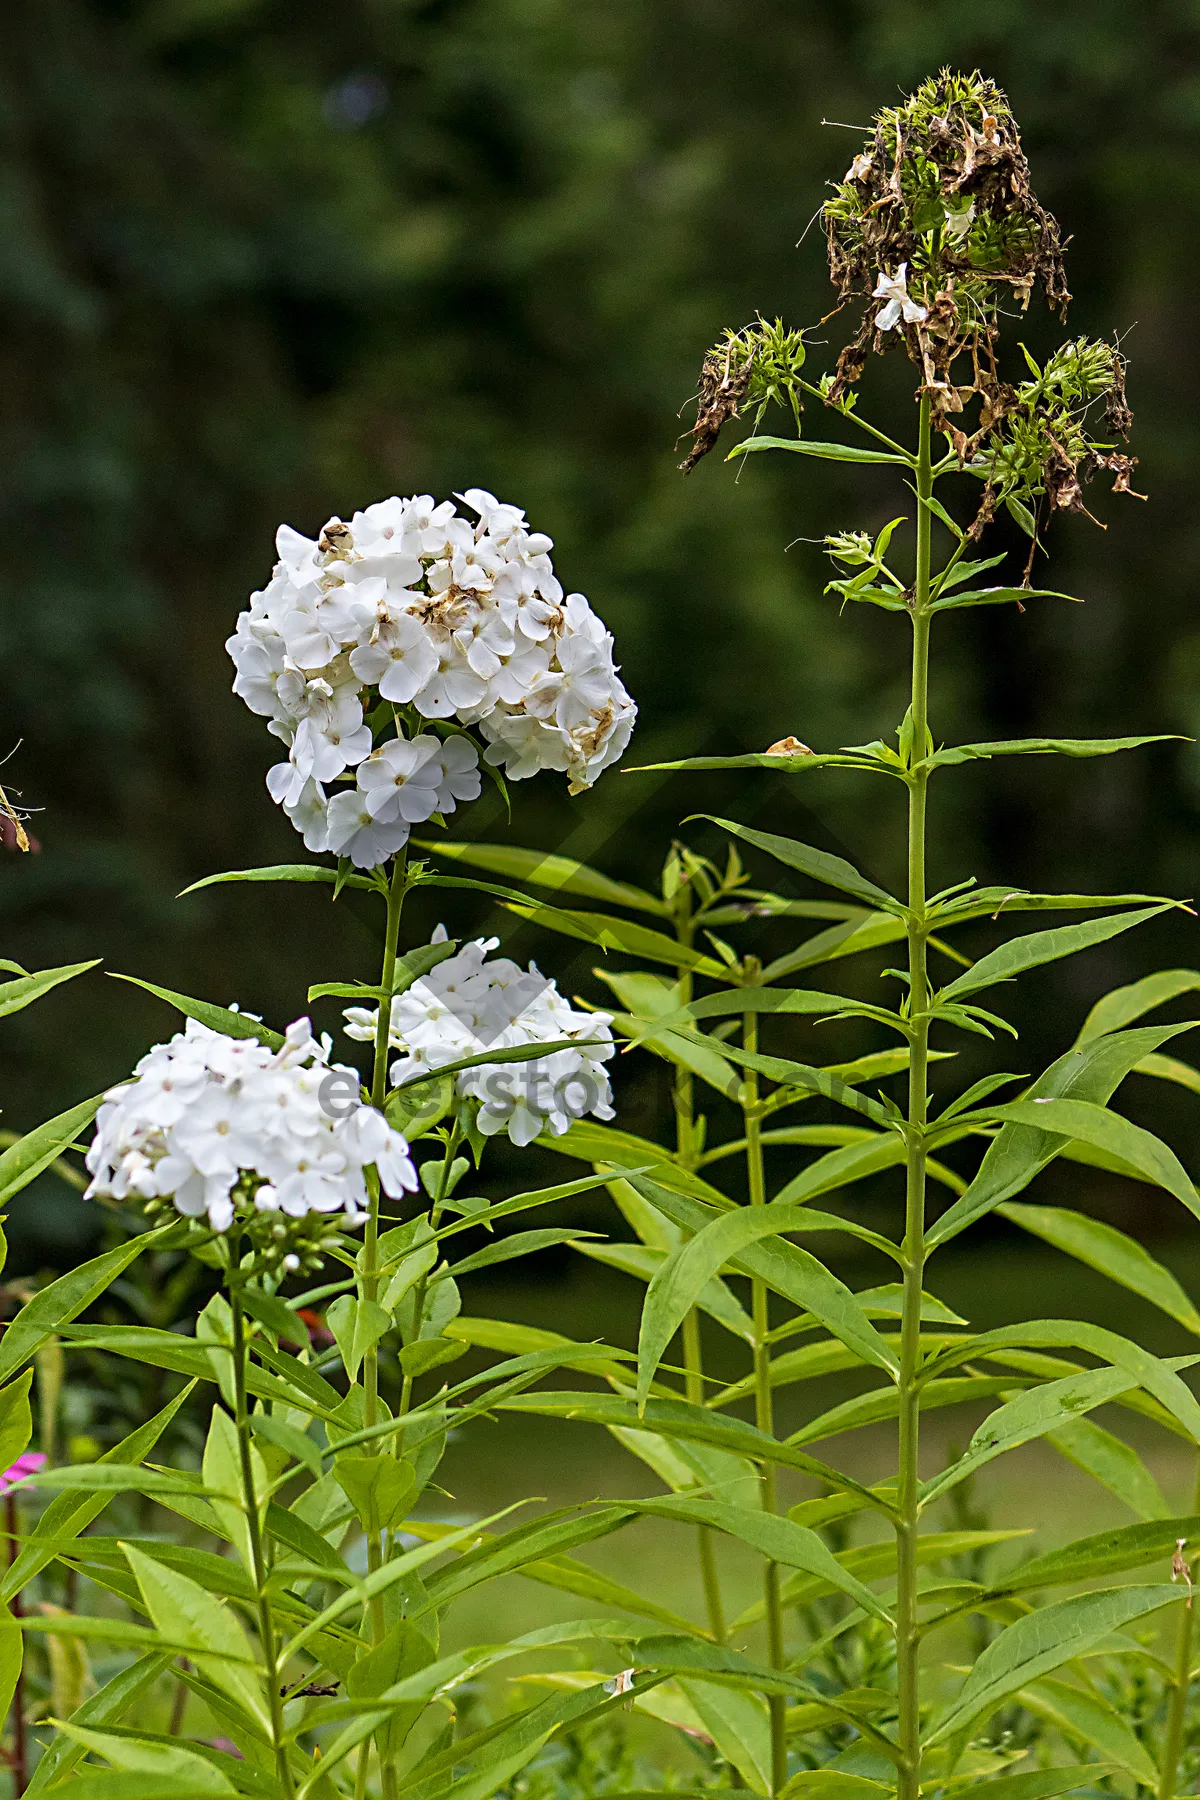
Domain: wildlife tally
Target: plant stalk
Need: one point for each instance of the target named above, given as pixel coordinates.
(684, 1095)
(907, 1641)
(764, 1410)
(1168, 1775)
(258, 1559)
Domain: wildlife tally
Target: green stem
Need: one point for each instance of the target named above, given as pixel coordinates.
(435, 1215)
(1168, 1776)
(907, 1640)
(370, 1252)
(764, 1410)
(693, 1354)
(258, 1559)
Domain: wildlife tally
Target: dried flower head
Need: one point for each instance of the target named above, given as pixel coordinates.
(748, 369)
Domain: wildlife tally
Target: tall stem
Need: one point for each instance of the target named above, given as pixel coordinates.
(693, 1356)
(907, 1642)
(258, 1559)
(370, 1256)
(20, 1750)
(764, 1409)
(1168, 1775)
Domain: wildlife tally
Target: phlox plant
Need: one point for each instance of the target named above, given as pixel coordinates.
(936, 235)
(400, 658)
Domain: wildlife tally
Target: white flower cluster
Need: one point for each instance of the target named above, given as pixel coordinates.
(467, 1006)
(205, 1109)
(462, 620)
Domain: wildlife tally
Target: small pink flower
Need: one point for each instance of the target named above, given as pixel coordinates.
(29, 1464)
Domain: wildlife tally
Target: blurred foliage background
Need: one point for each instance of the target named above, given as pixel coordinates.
(264, 261)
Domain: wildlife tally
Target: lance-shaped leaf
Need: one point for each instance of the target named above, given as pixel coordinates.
(1157, 1375)
(1139, 1149)
(309, 872)
(1039, 947)
(1091, 1072)
(808, 1079)
(1125, 1004)
(1038, 1784)
(63, 1300)
(960, 753)
(27, 1158)
(776, 1538)
(1029, 1416)
(680, 1419)
(677, 1285)
(103, 1708)
(595, 1143)
(819, 865)
(1111, 1462)
(1084, 1715)
(1043, 1641)
(624, 935)
(1103, 1553)
(778, 761)
(520, 1053)
(640, 1261)
(1000, 596)
(186, 1614)
(829, 452)
(1104, 1248)
(840, 1167)
(16, 995)
(994, 902)
(560, 873)
(217, 1018)
(748, 1000)
(72, 1512)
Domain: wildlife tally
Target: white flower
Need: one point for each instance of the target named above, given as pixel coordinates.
(205, 1111)
(401, 779)
(409, 603)
(398, 658)
(894, 289)
(356, 833)
(467, 1006)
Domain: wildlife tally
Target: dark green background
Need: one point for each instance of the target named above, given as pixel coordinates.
(226, 303)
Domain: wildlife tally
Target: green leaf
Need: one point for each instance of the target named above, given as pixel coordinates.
(378, 1487)
(103, 1708)
(834, 1784)
(1153, 1160)
(1043, 1641)
(1029, 1416)
(275, 1313)
(357, 1326)
(1038, 1784)
(16, 995)
(1125, 1004)
(281, 872)
(808, 1079)
(1104, 1553)
(1000, 596)
(217, 1018)
(735, 1005)
(1103, 1248)
(776, 1538)
(595, 1143)
(676, 1286)
(819, 865)
(25, 1159)
(840, 1167)
(808, 447)
(995, 902)
(54, 1306)
(1113, 1464)
(738, 1726)
(171, 1765)
(521, 1243)
(185, 1613)
(776, 761)
(1090, 1072)
(679, 1419)
(16, 1420)
(1082, 1714)
(644, 1263)
(1169, 1068)
(959, 753)
(1039, 947)
(561, 873)
(624, 935)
